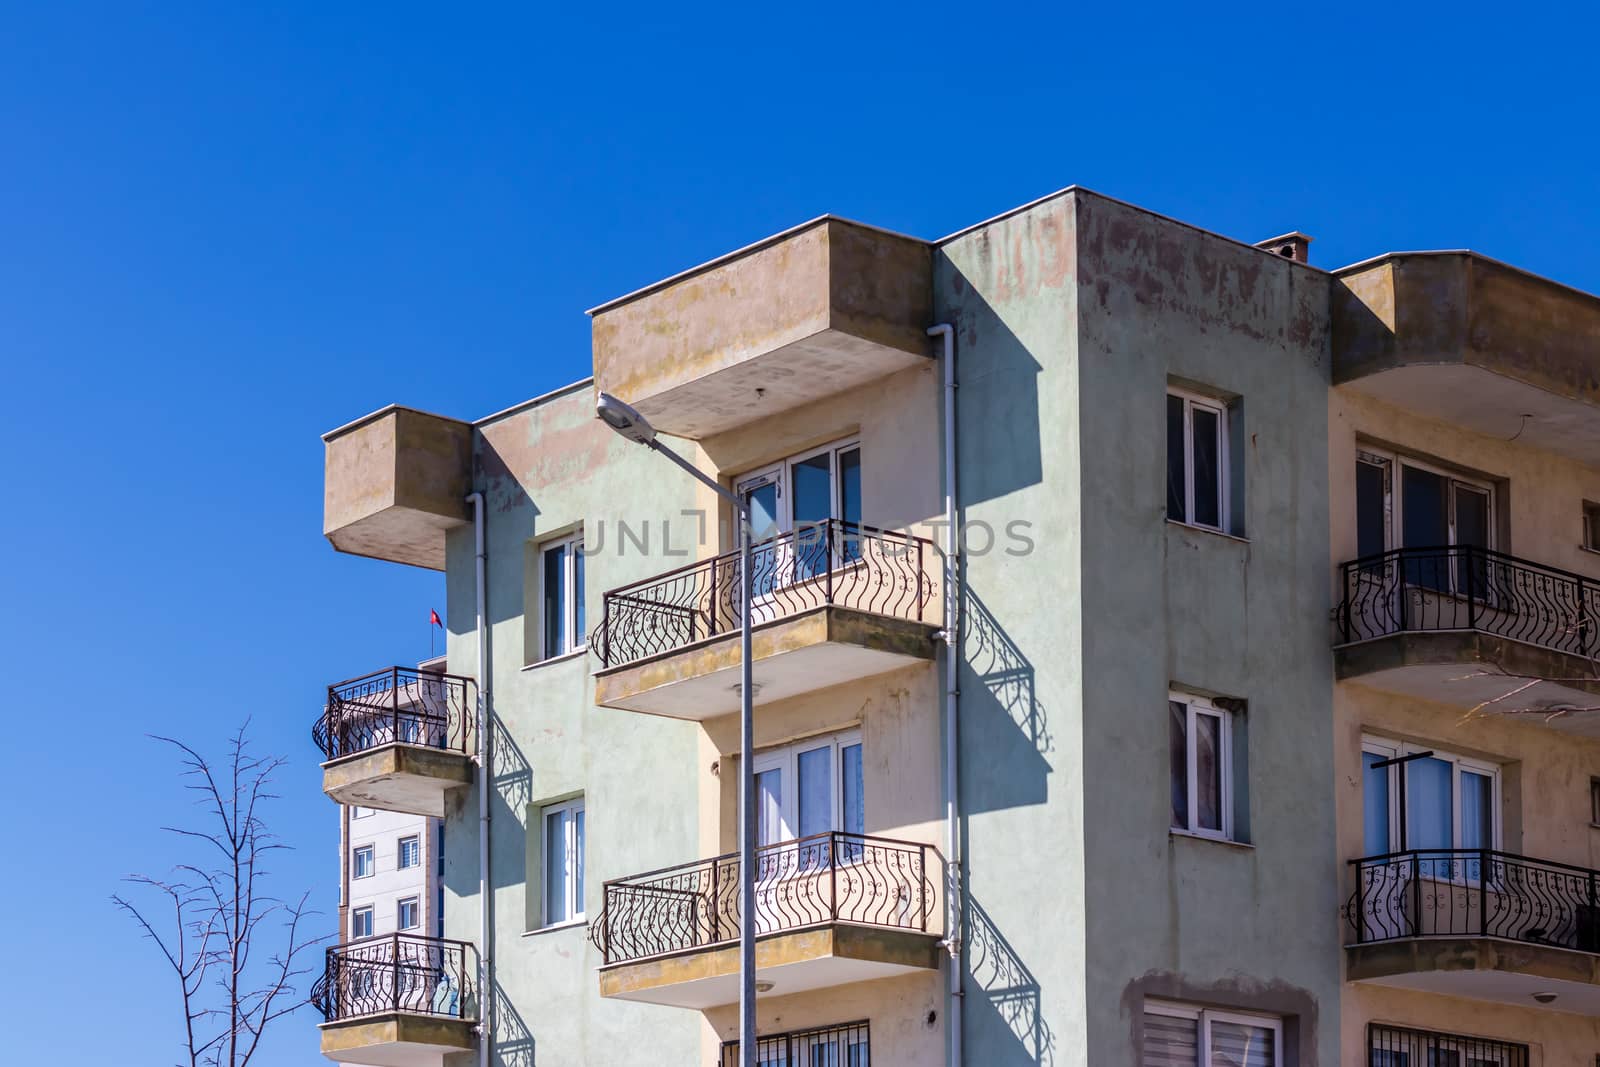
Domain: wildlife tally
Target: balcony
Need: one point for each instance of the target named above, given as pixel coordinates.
(1459, 338)
(834, 602)
(395, 484)
(1464, 625)
(846, 1043)
(398, 1000)
(830, 909)
(398, 739)
(1477, 923)
(812, 312)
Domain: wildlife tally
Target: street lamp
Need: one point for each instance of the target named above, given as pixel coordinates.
(622, 418)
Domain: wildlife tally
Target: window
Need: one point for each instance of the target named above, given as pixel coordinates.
(1591, 526)
(561, 582)
(1179, 1035)
(1201, 736)
(810, 787)
(1594, 810)
(810, 488)
(1451, 802)
(848, 1045)
(408, 914)
(563, 862)
(361, 923)
(1391, 1046)
(410, 852)
(1197, 461)
(358, 812)
(1434, 508)
(363, 864)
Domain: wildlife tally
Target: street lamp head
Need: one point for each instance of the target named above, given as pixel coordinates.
(622, 418)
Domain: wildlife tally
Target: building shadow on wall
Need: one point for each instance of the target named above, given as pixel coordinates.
(514, 1045)
(1005, 1019)
(1005, 729)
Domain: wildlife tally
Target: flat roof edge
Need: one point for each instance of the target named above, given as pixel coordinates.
(372, 416)
(1386, 257)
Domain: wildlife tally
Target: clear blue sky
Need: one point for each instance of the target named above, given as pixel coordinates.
(224, 231)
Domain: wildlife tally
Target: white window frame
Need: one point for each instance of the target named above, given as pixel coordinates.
(1591, 527)
(1389, 749)
(786, 758)
(358, 812)
(356, 915)
(415, 840)
(355, 861)
(780, 472)
(575, 642)
(1206, 1016)
(1224, 489)
(573, 903)
(400, 912)
(1198, 704)
(1395, 463)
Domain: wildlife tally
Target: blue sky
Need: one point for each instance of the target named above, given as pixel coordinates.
(224, 231)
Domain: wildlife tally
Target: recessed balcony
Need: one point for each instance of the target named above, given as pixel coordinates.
(833, 602)
(831, 909)
(812, 312)
(398, 1000)
(395, 484)
(398, 739)
(1463, 339)
(1468, 626)
(1477, 923)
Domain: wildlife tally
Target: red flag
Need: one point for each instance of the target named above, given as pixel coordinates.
(433, 617)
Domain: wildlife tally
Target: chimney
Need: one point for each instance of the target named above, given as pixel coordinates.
(1294, 245)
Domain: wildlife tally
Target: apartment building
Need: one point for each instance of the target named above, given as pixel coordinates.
(1246, 547)
(391, 874)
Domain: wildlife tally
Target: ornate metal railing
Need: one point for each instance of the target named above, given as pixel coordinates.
(399, 972)
(400, 704)
(837, 563)
(845, 1045)
(827, 878)
(1393, 1046)
(1474, 893)
(1462, 587)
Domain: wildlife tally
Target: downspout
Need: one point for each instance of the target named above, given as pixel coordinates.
(951, 636)
(485, 783)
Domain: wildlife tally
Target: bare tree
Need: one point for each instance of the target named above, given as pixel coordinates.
(235, 950)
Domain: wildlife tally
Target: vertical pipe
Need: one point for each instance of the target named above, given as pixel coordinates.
(485, 783)
(952, 692)
(747, 822)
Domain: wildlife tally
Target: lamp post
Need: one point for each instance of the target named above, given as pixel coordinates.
(635, 427)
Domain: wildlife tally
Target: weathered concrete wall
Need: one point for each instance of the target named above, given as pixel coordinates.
(1011, 290)
(546, 468)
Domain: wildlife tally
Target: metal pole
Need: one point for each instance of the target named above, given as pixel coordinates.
(747, 822)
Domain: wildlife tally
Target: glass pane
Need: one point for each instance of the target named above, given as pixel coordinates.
(1472, 531)
(813, 503)
(1178, 732)
(1371, 534)
(1424, 523)
(1175, 474)
(855, 811)
(769, 807)
(850, 501)
(763, 502)
(1208, 771)
(579, 628)
(1170, 1042)
(555, 867)
(1238, 1045)
(1374, 805)
(577, 860)
(816, 791)
(1477, 810)
(1207, 467)
(1427, 785)
(555, 620)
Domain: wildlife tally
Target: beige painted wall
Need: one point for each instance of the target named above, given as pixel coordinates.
(1542, 494)
(898, 1008)
(1554, 1039)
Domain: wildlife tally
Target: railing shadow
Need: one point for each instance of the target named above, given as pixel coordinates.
(1005, 727)
(1010, 990)
(514, 1044)
(513, 777)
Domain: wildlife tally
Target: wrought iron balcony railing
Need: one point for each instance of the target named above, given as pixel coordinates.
(827, 878)
(1395, 1045)
(845, 1045)
(1474, 893)
(1462, 587)
(400, 704)
(832, 563)
(399, 973)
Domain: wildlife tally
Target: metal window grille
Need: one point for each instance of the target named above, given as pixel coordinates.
(845, 1045)
(1392, 1046)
